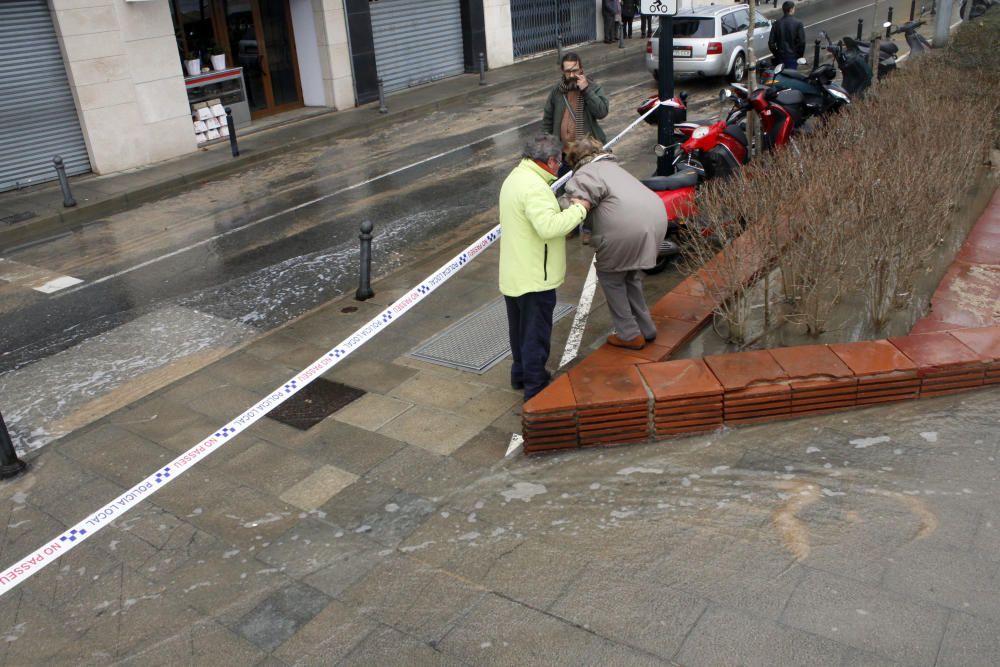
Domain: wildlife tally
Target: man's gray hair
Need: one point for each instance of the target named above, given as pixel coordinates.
(542, 148)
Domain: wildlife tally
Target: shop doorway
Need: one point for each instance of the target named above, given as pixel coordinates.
(256, 35)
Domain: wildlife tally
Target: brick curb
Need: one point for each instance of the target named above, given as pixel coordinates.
(616, 396)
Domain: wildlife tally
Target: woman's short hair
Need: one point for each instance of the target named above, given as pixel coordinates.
(542, 147)
(582, 149)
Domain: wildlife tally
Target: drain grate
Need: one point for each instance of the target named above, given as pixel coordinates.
(477, 342)
(316, 402)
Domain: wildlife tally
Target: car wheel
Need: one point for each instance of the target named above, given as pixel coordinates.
(739, 70)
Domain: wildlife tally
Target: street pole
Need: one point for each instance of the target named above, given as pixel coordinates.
(665, 133)
(941, 25)
(752, 84)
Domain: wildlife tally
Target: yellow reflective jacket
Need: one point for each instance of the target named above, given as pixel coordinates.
(533, 231)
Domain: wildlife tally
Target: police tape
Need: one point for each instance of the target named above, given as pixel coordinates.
(34, 562)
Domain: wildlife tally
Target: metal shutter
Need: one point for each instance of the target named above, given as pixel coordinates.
(417, 41)
(38, 118)
(535, 23)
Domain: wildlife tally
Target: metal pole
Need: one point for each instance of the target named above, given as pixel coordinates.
(559, 47)
(231, 125)
(68, 201)
(861, 27)
(913, 9)
(365, 269)
(621, 33)
(816, 49)
(941, 27)
(482, 68)
(10, 465)
(888, 31)
(665, 132)
(382, 108)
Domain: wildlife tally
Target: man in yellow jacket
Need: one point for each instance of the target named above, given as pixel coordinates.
(533, 258)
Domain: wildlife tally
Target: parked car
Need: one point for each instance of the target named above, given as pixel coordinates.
(712, 41)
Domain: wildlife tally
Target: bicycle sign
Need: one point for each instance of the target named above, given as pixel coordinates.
(658, 7)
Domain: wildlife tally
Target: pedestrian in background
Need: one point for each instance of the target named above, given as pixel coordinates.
(645, 25)
(611, 12)
(533, 258)
(788, 38)
(629, 221)
(628, 15)
(574, 105)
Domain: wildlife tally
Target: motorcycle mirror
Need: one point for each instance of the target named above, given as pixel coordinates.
(887, 24)
(725, 95)
(802, 61)
(778, 68)
(659, 150)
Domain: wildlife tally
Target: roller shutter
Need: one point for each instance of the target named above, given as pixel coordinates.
(535, 24)
(416, 41)
(38, 118)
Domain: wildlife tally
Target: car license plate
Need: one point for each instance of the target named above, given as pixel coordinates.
(682, 52)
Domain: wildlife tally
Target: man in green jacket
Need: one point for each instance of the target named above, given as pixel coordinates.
(533, 258)
(574, 105)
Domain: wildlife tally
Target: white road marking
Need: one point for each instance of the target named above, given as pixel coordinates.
(34, 277)
(254, 223)
(515, 444)
(580, 318)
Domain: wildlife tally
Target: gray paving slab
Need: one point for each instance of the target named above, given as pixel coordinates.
(386, 645)
(370, 374)
(969, 641)
(724, 636)
(130, 459)
(408, 595)
(204, 643)
(281, 614)
(898, 627)
(329, 637)
(348, 447)
(422, 472)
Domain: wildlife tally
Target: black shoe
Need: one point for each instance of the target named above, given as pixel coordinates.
(516, 385)
(650, 339)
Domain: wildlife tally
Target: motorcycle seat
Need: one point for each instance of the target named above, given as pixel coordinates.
(686, 178)
(794, 74)
(789, 97)
(892, 48)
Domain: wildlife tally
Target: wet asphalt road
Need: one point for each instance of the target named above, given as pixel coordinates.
(242, 255)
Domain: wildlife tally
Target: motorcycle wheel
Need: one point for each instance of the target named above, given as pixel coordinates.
(669, 250)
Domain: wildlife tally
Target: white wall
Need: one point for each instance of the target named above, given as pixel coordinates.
(499, 33)
(330, 23)
(125, 73)
(307, 52)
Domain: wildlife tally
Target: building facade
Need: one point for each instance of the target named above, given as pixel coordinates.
(112, 85)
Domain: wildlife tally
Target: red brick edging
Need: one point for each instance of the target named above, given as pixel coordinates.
(616, 396)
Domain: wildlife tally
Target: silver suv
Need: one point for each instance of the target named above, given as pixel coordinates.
(712, 41)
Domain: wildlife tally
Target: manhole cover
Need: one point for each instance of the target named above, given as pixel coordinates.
(315, 403)
(17, 217)
(478, 341)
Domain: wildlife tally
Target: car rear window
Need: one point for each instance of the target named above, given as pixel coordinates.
(692, 27)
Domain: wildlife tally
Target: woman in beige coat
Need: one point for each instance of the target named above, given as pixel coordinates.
(628, 221)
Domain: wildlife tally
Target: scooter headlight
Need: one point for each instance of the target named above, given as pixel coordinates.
(840, 96)
(700, 133)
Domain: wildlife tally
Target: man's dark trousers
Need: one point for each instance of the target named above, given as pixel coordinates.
(609, 26)
(529, 322)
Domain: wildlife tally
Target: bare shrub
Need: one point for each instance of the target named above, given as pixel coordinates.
(860, 204)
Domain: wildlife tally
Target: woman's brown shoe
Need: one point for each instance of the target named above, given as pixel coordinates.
(636, 343)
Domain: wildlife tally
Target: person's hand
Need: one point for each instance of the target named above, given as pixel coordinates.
(582, 202)
(581, 81)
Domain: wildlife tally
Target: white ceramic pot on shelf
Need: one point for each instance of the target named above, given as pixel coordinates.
(219, 62)
(193, 66)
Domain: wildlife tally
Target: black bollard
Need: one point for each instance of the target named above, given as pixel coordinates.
(68, 201)
(382, 108)
(933, 7)
(888, 31)
(913, 9)
(861, 27)
(621, 34)
(365, 278)
(482, 68)
(559, 47)
(10, 465)
(816, 47)
(231, 125)
(775, 4)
